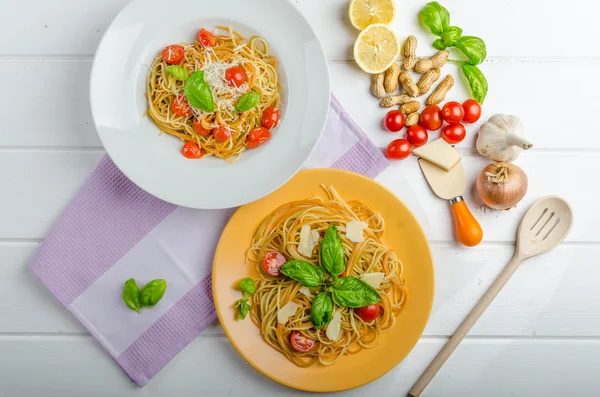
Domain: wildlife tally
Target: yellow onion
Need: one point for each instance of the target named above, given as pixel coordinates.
(502, 185)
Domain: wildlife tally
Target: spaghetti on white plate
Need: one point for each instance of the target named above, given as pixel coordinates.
(220, 95)
(328, 286)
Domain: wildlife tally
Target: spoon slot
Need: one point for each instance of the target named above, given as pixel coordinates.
(539, 219)
(544, 225)
(551, 229)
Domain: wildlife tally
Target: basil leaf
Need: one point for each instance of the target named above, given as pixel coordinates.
(153, 292)
(248, 101)
(243, 308)
(477, 81)
(197, 77)
(247, 286)
(308, 275)
(321, 311)
(451, 35)
(439, 44)
(435, 17)
(199, 96)
(333, 258)
(179, 72)
(473, 48)
(131, 295)
(352, 292)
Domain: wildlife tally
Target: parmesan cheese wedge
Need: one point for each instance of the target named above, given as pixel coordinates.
(286, 312)
(305, 291)
(440, 153)
(373, 279)
(308, 241)
(335, 326)
(354, 231)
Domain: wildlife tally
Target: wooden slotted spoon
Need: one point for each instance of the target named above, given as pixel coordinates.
(543, 227)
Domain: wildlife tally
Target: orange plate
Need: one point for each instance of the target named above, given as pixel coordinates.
(402, 233)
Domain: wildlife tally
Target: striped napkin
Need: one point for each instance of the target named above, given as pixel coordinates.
(113, 231)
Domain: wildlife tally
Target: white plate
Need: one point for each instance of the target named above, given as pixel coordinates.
(152, 160)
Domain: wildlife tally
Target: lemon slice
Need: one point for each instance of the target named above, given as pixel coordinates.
(376, 48)
(363, 13)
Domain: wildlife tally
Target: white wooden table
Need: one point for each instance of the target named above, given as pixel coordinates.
(541, 337)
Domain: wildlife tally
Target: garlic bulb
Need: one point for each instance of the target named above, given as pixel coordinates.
(501, 138)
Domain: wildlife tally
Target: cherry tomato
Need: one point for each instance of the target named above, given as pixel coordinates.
(454, 133)
(398, 149)
(191, 150)
(417, 135)
(472, 110)
(453, 112)
(235, 76)
(257, 136)
(394, 120)
(181, 107)
(368, 313)
(301, 343)
(270, 117)
(272, 262)
(173, 54)
(221, 134)
(206, 38)
(199, 128)
(431, 118)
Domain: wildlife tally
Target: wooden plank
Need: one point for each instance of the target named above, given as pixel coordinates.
(538, 301)
(494, 368)
(60, 116)
(41, 184)
(509, 28)
(57, 115)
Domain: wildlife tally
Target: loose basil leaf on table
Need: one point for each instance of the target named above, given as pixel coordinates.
(333, 258)
(198, 93)
(179, 72)
(435, 17)
(248, 101)
(305, 273)
(247, 286)
(439, 44)
(473, 48)
(477, 81)
(131, 295)
(352, 292)
(451, 36)
(321, 311)
(153, 292)
(243, 308)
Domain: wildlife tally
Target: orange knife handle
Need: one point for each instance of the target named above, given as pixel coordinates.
(468, 230)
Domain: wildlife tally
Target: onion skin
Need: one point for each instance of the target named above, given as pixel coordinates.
(505, 194)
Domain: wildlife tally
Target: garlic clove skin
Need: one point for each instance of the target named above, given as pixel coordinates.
(501, 138)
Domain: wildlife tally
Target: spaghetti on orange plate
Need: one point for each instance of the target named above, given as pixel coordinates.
(328, 286)
(220, 94)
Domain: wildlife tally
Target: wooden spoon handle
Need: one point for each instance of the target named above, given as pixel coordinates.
(466, 325)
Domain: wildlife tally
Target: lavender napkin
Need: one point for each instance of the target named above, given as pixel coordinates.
(113, 231)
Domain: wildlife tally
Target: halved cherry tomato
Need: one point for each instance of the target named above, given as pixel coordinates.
(453, 112)
(199, 128)
(368, 313)
(173, 54)
(181, 107)
(472, 110)
(398, 149)
(417, 135)
(454, 133)
(257, 136)
(270, 117)
(301, 343)
(191, 150)
(394, 121)
(221, 134)
(272, 262)
(431, 118)
(235, 76)
(206, 38)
